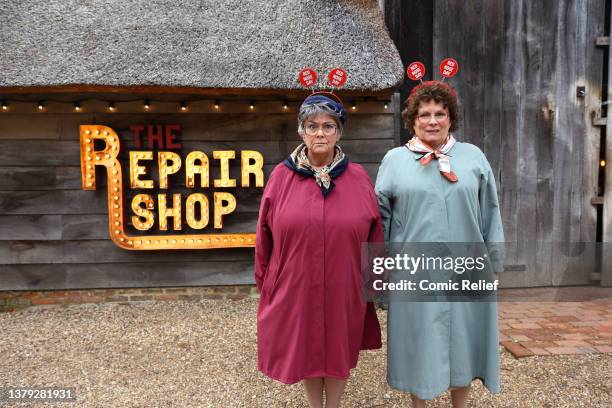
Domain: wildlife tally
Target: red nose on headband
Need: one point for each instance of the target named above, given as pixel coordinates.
(448, 69)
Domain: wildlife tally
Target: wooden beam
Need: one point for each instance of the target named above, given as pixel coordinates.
(606, 265)
(396, 105)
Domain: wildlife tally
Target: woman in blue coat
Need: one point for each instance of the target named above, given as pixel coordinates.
(436, 189)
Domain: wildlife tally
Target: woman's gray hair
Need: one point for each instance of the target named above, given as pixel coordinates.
(314, 109)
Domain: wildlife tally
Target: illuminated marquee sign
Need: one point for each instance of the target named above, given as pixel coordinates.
(151, 206)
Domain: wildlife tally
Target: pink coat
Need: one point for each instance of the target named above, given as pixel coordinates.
(312, 320)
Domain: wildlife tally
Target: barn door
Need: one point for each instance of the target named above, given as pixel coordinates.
(531, 84)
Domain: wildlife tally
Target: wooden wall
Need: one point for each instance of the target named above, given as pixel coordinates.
(410, 26)
(521, 62)
(606, 266)
(55, 235)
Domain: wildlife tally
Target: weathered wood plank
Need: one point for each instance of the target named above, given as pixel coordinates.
(105, 251)
(84, 227)
(529, 136)
(30, 227)
(69, 178)
(52, 202)
(457, 44)
(17, 126)
(567, 147)
(545, 113)
(85, 276)
(30, 252)
(95, 202)
(441, 47)
(27, 178)
(583, 217)
(492, 82)
(367, 151)
(370, 126)
(509, 189)
(95, 227)
(472, 49)
(39, 153)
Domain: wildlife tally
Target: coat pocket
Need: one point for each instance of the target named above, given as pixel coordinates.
(270, 280)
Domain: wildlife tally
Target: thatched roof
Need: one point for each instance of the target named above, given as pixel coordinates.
(227, 44)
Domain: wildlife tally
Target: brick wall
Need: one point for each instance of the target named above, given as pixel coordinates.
(13, 300)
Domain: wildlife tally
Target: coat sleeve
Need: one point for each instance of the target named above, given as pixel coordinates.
(263, 237)
(384, 196)
(371, 329)
(492, 227)
(376, 230)
(375, 242)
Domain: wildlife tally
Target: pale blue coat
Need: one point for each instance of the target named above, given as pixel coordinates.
(434, 346)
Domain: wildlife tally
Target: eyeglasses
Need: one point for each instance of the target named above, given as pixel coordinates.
(426, 117)
(312, 129)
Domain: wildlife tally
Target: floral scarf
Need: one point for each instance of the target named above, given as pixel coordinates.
(298, 162)
(428, 153)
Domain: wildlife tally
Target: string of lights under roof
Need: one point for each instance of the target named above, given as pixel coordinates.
(147, 104)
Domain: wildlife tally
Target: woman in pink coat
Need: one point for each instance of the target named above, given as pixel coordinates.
(316, 211)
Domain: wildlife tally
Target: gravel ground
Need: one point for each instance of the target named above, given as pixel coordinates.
(202, 354)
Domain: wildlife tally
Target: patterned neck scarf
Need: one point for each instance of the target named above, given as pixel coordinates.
(429, 153)
(298, 162)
